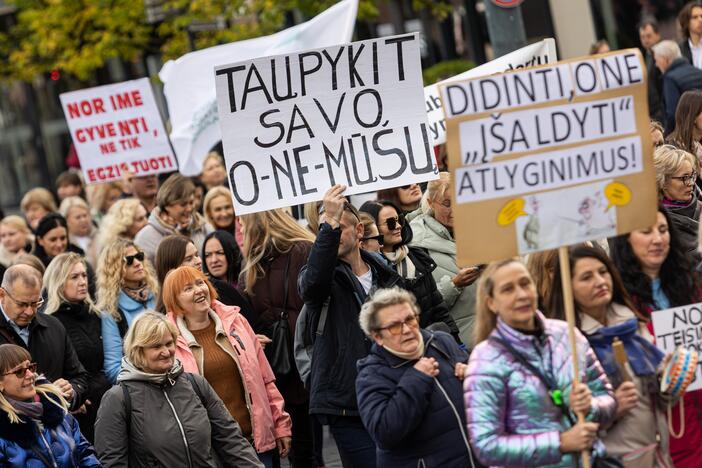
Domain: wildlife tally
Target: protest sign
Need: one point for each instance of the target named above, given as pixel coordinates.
(549, 156)
(294, 125)
(680, 326)
(539, 53)
(118, 128)
(189, 84)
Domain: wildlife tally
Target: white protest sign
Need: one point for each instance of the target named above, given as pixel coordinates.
(189, 84)
(118, 128)
(539, 53)
(294, 125)
(680, 326)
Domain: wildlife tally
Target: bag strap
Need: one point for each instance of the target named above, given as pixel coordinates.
(285, 282)
(127, 408)
(554, 392)
(196, 387)
(323, 317)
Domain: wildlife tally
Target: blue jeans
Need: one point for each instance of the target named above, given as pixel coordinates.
(267, 458)
(356, 448)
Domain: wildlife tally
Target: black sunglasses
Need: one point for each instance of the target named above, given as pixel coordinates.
(378, 238)
(129, 259)
(392, 223)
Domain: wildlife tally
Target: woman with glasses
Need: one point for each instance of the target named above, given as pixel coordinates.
(676, 173)
(127, 287)
(407, 198)
(36, 429)
(372, 240)
(67, 299)
(433, 230)
(410, 387)
(413, 264)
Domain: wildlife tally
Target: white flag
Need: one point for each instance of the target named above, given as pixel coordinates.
(190, 80)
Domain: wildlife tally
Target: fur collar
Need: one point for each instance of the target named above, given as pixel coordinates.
(25, 432)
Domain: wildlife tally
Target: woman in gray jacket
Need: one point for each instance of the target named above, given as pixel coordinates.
(158, 415)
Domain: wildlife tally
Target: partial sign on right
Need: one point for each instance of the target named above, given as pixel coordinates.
(550, 156)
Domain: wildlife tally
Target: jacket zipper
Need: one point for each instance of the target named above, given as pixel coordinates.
(180, 426)
(48, 449)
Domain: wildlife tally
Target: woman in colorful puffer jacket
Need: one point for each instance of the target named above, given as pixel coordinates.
(514, 416)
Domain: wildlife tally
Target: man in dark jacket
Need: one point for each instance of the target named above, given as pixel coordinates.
(42, 335)
(649, 36)
(339, 272)
(678, 76)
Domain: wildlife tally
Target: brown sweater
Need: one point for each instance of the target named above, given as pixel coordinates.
(222, 373)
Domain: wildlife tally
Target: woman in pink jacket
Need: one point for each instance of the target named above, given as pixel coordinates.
(218, 343)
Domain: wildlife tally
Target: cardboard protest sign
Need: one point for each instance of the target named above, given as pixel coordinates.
(680, 326)
(550, 156)
(294, 125)
(118, 128)
(539, 53)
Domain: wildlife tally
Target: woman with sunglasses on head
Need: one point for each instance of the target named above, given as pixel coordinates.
(67, 299)
(413, 264)
(433, 230)
(406, 198)
(676, 173)
(127, 287)
(36, 429)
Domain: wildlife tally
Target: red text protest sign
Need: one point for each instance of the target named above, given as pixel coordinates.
(117, 128)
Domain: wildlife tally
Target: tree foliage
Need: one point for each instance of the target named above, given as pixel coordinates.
(79, 36)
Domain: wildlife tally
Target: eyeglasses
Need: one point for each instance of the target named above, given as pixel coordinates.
(378, 238)
(687, 179)
(23, 305)
(396, 328)
(129, 259)
(392, 223)
(22, 371)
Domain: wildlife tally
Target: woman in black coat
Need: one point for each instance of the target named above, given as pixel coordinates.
(413, 264)
(68, 299)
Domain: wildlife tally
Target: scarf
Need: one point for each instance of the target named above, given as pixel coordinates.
(643, 356)
(140, 294)
(416, 354)
(400, 259)
(32, 409)
(670, 203)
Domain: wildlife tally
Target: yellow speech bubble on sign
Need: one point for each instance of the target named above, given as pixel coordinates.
(617, 194)
(512, 210)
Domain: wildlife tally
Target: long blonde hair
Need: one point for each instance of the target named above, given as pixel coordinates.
(117, 221)
(110, 271)
(55, 278)
(485, 319)
(10, 357)
(267, 232)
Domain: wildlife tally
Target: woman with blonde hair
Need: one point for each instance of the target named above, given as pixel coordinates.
(214, 174)
(123, 220)
(676, 173)
(128, 287)
(81, 231)
(101, 197)
(218, 343)
(276, 248)
(67, 299)
(36, 204)
(519, 393)
(159, 414)
(15, 239)
(219, 212)
(36, 428)
(541, 266)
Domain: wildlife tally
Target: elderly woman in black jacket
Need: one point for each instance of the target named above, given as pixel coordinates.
(413, 264)
(158, 415)
(410, 387)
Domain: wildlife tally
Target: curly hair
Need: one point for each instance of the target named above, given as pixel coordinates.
(111, 267)
(98, 195)
(55, 278)
(117, 221)
(676, 274)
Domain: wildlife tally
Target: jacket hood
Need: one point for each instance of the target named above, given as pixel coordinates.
(130, 372)
(432, 235)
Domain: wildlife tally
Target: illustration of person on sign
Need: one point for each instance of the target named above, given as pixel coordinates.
(594, 218)
(533, 225)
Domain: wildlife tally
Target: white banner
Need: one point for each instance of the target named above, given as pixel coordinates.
(189, 84)
(118, 128)
(539, 53)
(294, 125)
(681, 326)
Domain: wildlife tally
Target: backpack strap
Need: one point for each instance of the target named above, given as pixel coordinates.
(127, 408)
(122, 325)
(323, 318)
(196, 387)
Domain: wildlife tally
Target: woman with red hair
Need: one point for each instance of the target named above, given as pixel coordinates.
(217, 342)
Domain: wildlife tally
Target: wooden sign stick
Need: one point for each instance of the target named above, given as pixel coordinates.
(570, 317)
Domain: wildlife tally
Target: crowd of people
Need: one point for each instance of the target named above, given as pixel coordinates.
(145, 324)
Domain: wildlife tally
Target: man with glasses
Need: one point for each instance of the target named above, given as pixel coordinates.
(343, 276)
(42, 335)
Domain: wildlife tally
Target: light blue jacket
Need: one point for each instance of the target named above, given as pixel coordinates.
(111, 339)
